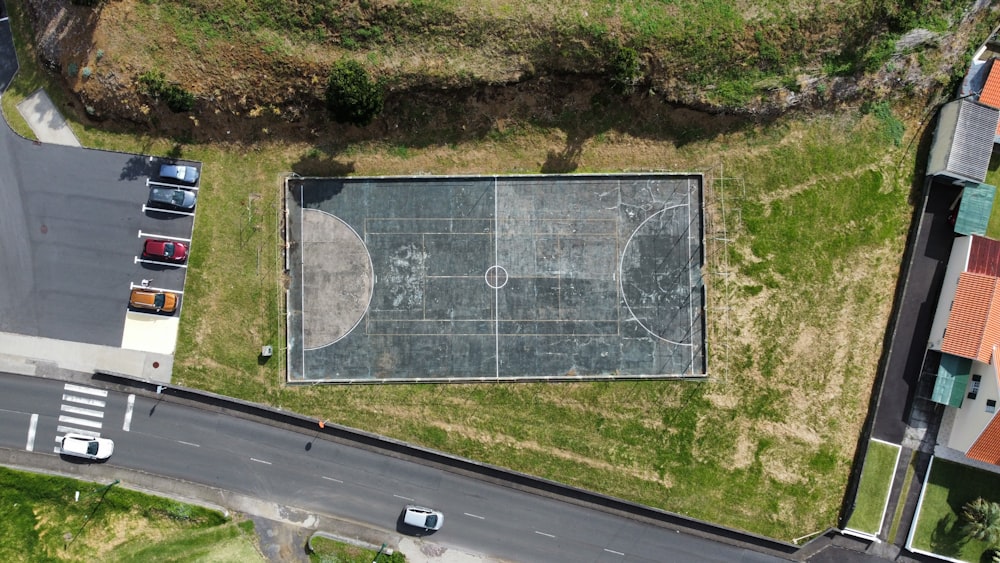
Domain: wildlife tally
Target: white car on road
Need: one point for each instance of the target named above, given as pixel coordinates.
(425, 518)
(86, 446)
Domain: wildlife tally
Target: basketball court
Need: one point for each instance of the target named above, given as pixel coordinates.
(484, 278)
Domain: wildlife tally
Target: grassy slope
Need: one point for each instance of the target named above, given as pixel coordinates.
(816, 211)
(43, 522)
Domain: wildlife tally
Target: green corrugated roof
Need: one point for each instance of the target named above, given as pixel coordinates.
(974, 212)
(952, 379)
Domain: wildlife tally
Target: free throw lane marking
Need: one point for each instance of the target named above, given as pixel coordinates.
(85, 390)
(32, 426)
(128, 413)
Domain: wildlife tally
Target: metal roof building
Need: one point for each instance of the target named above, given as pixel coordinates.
(963, 141)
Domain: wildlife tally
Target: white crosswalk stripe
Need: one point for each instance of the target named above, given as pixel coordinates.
(80, 421)
(85, 390)
(70, 430)
(85, 412)
(83, 400)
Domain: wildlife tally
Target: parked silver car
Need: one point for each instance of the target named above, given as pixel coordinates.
(179, 173)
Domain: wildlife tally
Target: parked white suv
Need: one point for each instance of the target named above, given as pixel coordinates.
(86, 446)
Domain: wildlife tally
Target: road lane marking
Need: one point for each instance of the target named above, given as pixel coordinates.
(85, 390)
(615, 552)
(260, 461)
(196, 445)
(474, 516)
(83, 400)
(331, 479)
(544, 534)
(80, 421)
(129, 407)
(79, 410)
(30, 446)
(404, 498)
(70, 430)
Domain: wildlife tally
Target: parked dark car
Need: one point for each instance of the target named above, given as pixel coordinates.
(172, 198)
(179, 173)
(164, 250)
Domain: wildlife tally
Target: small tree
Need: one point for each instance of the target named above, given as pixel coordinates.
(351, 95)
(982, 520)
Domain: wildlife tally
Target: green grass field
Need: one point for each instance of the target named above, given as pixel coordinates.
(948, 488)
(876, 478)
(43, 522)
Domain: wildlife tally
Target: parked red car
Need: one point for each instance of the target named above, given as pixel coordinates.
(164, 250)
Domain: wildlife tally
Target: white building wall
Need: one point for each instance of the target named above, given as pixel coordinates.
(957, 263)
(971, 419)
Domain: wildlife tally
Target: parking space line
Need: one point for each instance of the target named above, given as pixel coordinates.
(165, 237)
(80, 410)
(133, 286)
(87, 390)
(146, 208)
(32, 427)
(136, 260)
(127, 426)
(181, 186)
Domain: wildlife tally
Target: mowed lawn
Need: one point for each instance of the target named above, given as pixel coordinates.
(807, 219)
(873, 491)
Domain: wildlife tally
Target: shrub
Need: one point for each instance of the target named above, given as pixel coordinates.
(351, 95)
(177, 98)
(626, 69)
(87, 72)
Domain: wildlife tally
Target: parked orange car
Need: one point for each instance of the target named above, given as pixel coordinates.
(153, 300)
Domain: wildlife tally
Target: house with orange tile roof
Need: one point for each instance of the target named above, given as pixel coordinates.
(965, 353)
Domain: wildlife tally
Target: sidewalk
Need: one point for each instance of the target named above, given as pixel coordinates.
(45, 120)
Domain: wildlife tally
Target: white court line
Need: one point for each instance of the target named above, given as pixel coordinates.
(129, 407)
(164, 237)
(78, 410)
(474, 516)
(260, 461)
(331, 479)
(85, 390)
(690, 285)
(544, 534)
(32, 427)
(83, 400)
(70, 430)
(80, 421)
(496, 291)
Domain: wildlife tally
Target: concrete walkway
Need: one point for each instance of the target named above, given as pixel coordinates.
(45, 120)
(32, 355)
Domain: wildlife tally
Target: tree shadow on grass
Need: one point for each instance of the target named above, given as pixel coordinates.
(947, 538)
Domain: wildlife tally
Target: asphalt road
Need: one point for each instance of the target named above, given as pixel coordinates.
(297, 470)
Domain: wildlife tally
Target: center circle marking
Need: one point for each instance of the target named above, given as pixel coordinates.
(496, 277)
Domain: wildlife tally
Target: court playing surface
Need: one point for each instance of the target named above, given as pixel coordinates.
(495, 278)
